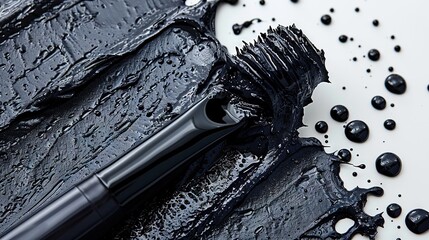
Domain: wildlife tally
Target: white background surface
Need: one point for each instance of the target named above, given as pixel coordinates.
(408, 20)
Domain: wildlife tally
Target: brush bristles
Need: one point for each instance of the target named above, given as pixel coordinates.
(284, 59)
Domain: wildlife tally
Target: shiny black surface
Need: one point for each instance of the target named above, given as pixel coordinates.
(388, 164)
(93, 201)
(339, 113)
(83, 82)
(357, 131)
(396, 84)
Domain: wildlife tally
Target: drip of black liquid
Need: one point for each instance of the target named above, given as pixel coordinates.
(378, 102)
(388, 164)
(321, 127)
(326, 19)
(394, 210)
(374, 54)
(95, 101)
(396, 84)
(390, 124)
(418, 221)
(343, 38)
(397, 48)
(357, 131)
(238, 28)
(339, 113)
(345, 155)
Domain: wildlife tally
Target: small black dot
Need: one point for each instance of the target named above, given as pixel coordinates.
(374, 55)
(355, 59)
(354, 174)
(273, 19)
(368, 70)
(343, 38)
(332, 10)
(294, 1)
(391, 69)
(392, 37)
(375, 23)
(397, 48)
(390, 124)
(357, 9)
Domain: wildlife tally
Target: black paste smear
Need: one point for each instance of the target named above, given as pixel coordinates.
(85, 81)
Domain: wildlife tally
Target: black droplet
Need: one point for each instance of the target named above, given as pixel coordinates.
(326, 19)
(321, 127)
(262, 2)
(395, 84)
(378, 102)
(355, 59)
(374, 54)
(391, 69)
(345, 155)
(357, 9)
(368, 70)
(397, 48)
(357, 131)
(332, 10)
(392, 37)
(340, 113)
(390, 124)
(394, 210)
(388, 164)
(417, 221)
(375, 23)
(294, 1)
(343, 38)
(354, 174)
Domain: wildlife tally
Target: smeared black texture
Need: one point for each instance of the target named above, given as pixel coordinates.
(84, 81)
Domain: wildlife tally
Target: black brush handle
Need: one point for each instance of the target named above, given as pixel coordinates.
(99, 197)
